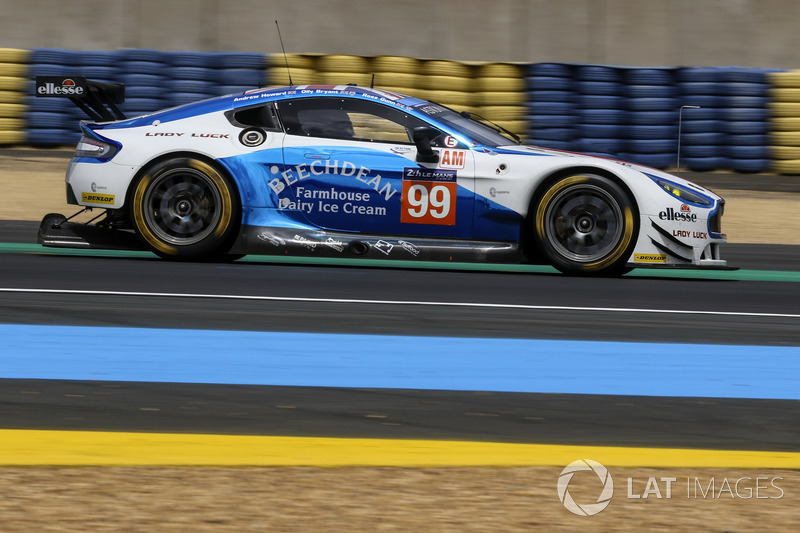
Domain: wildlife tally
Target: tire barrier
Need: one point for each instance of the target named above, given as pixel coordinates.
(13, 90)
(784, 104)
(153, 80)
(727, 118)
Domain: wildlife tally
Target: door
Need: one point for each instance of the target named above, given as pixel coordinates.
(351, 166)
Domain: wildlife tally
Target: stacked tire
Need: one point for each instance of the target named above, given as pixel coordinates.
(145, 74)
(551, 106)
(651, 117)
(344, 69)
(237, 72)
(399, 74)
(13, 95)
(450, 83)
(785, 121)
(297, 69)
(601, 110)
(500, 95)
(52, 121)
(745, 119)
(702, 133)
(192, 77)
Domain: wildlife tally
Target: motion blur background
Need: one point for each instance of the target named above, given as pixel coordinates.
(750, 33)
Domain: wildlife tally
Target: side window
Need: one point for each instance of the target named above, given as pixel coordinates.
(262, 116)
(348, 119)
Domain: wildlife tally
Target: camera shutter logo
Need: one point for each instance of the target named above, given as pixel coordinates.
(590, 509)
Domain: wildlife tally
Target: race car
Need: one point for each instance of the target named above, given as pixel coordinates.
(344, 171)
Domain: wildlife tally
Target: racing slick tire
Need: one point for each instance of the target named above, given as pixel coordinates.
(586, 224)
(186, 209)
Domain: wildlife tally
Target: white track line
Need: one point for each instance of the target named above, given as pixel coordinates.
(403, 302)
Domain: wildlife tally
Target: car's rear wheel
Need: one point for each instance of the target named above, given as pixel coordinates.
(586, 224)
(186, 209)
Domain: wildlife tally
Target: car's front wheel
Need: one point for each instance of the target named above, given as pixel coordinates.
(186, 209)
(586, 224)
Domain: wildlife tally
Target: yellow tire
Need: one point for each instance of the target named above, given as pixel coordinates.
(501, 70)
(407, 65)
(301, 61)
(186, 209)
(13, 83)
(13, 110)
(12, 97)
(789, 79)
(785, 152)
(450, 98)
(446, 83)
(503, 85)
(344, 63)
(435, 67)
(586, 224)
(784, 109)
(300, 76)
(396, 79)
(785, 124)
(344, 78)
(13, 70)
(785, 94)
(517, 98)
(502, 113)
(12, 137)
(786, 166)
(785, 138)
(14, 55)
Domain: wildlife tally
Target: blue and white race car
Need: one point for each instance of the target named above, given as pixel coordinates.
(344, 171)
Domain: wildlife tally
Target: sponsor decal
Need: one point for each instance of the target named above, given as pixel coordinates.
(429, 196)
(305, 242)
(649, 258)
(96, 187)
(452, 159)
(195, 135)
(383, 247)
(274, 240)
(401, 150)
(93, 198)
(678, 216)
(60, 86)
(409, 247)
(494, 192)
(450, 141)
(330, 242)
(689, 234)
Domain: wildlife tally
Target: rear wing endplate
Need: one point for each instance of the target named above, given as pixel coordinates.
(95, 98)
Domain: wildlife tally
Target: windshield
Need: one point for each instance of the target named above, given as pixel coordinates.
(473, 129)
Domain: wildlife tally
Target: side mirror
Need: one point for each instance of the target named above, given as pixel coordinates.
(422, 139)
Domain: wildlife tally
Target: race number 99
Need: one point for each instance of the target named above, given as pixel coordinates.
(428, 202)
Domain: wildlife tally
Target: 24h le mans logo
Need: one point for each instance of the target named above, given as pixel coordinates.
(586, 509)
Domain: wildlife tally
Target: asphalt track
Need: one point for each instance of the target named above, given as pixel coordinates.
(756, 307)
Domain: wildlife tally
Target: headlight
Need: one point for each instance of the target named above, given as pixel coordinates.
(683, 193)
(95, 149)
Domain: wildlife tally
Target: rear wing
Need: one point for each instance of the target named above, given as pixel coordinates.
(97, 99)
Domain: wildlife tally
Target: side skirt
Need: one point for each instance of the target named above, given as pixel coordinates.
(317, 243)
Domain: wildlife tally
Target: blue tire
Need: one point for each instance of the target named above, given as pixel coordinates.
(749, 114)
(650, 76)
(550, 108)
(652, 104)
(191, 59)
(144, 54)
(701, 151)
(650, 118)
(553, 134)
(600, 146)
(706, 138)
(558, 70)
(193, 73)
(703, 164)
(548, 83)
(745, 89)
(702, 126)
(551, 121)
(46, 120)
(241, 76)
(601, 131)
(595, 101)
(245, 60)
(598, 73)
(699, 75)
(601, 116)
(649, 91)
(651, 146)
(750, 165)
(144, 67)
(599, 88)
(648, 132)
(552, 96)
(746, 128)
